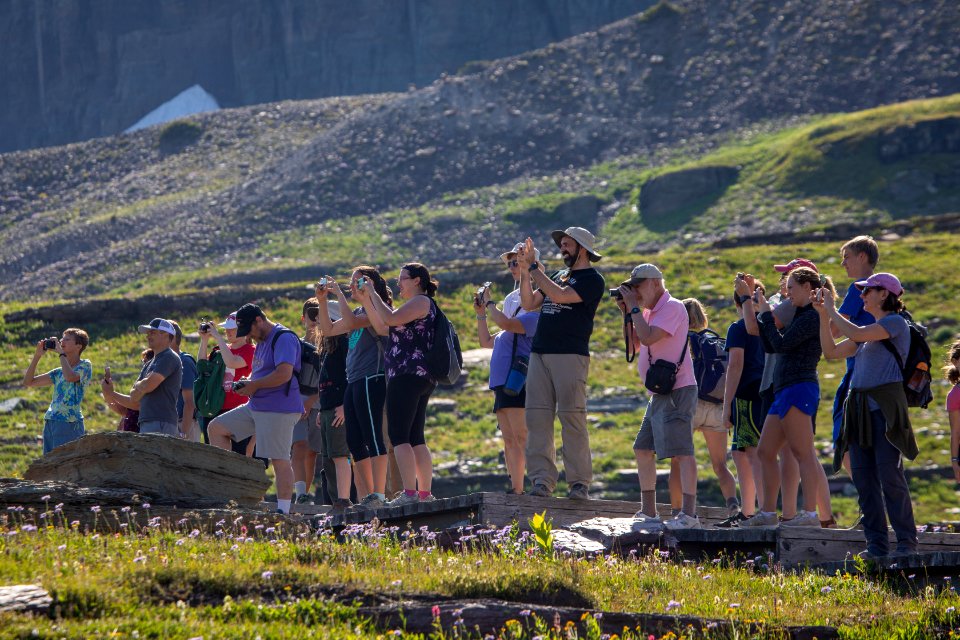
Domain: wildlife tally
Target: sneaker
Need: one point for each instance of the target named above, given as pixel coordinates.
(429, 498)
(803, 519)
(371, 501)
(643, 522)
(732, 521)
(541, 491)
(578, 491)
(303, 499)
(682, 521)
(761, 519)
(829, 524)
(403, 499)
(340, 507)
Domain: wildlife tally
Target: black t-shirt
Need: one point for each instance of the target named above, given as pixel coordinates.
(566, 328)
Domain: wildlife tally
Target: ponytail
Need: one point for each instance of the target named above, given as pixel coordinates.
(417, 270)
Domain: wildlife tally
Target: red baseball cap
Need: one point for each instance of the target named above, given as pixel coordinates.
(793, 264)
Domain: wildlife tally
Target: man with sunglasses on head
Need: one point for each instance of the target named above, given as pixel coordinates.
(560, 360)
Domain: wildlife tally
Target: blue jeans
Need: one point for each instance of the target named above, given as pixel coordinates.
(881, 483)
(57, 433)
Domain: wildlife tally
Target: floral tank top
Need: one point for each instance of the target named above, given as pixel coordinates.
(409, 344)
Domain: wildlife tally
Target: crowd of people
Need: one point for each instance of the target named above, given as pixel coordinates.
(364, 418)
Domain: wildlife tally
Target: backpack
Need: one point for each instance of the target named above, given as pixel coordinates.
(709, 354)
(208, 392)
(444, 360)
(308, 373)
(916, 370)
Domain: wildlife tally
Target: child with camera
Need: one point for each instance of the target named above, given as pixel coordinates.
(63, 421)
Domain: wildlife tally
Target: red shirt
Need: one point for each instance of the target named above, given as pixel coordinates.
(234, 400)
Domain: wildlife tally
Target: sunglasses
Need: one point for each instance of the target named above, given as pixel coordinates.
(313, 313)
(513, 263)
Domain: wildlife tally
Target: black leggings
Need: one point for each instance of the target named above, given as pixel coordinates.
(407, 397)
(363, 417)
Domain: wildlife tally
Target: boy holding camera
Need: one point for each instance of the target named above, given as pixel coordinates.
(63, 421)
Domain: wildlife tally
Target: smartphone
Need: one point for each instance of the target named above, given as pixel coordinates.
(321, 284)
(361, 281)
(823, 281)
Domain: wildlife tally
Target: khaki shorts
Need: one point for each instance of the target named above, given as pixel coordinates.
(666, 428)
(274, 431)
(708, 417)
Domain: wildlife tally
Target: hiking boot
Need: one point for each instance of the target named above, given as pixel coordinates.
(762, 519)
(732, 521)
(578, 491)
(403, 499)
(682, 521)
(340, 506)
(803, 519)
(303, 499)
(540, 491)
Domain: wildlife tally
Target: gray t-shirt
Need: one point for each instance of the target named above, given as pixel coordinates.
(784, 312)
(364, 355)
(160, 405)
(875, 365)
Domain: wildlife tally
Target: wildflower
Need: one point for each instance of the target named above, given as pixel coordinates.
(270, 530)
(28, 527)
(75, 523)
(180, 542)
(673, 604)
(140, 558)
(58, 507)
(709, 576)
(266, 575)
(950, 609)
(45, 498)
(826, 590)
(195, 533)
(61, 547)
(146, 505)
(125, 510)
(435, 610)
(396, 583)
(95, 508)
(525, 613)
(733, 605)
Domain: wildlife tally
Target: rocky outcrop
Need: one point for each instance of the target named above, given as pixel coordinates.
(167, 470)
(669, 192)
(920, 138)
(75, 71)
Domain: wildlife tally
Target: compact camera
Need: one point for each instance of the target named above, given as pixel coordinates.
(238, 384)
(478, 296)
(49, 344)
(205, 325)
(616, 294)
(321, 283)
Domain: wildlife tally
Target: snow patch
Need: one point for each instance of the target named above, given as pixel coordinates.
(187, 102)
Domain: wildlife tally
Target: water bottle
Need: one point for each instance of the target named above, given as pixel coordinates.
(516, 378)
(919, 377)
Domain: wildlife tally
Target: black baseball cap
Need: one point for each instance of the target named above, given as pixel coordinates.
(246, 315)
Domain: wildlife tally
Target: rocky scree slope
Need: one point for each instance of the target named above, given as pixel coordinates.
(675, 74)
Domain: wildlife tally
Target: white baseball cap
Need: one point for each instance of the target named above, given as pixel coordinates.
(160, 325)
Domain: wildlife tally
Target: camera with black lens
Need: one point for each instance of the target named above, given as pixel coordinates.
(616, 294)
(478, 296)
(238, 384)
(49, 344)
(205, 325)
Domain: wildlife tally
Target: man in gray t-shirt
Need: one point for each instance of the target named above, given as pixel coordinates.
(158, 386)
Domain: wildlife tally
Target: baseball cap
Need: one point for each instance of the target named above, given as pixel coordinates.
(246, 315)
(643, 271)
(230, 322)
(516, 248)
(793, 264)
(160, 325)
(886, 281)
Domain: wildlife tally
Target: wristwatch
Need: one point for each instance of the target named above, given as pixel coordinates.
(533, 266)
(634, 310)
(488, 303)
(745, 298)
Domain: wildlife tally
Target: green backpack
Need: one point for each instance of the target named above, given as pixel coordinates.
(208, 390)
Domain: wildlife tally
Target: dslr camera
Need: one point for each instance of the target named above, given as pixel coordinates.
(478, 296)
(205, 325)
(49, 344)
(616, 294)
(238, 384)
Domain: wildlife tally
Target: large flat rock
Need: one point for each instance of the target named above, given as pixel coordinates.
(164, 468)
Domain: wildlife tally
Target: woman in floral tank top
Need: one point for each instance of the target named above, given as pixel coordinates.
(409, 384)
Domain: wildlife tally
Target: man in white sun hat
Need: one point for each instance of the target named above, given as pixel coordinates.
(560, 360)
(156, 391)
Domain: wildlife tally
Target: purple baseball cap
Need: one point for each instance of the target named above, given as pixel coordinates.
(886, 281)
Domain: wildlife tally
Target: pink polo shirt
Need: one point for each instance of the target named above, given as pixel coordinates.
(670, 315)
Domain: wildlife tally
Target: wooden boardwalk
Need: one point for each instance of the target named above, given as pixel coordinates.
(606, 526)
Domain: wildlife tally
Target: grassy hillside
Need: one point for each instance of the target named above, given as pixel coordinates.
(432, 171)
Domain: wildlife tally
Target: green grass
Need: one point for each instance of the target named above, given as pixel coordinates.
(249, 578)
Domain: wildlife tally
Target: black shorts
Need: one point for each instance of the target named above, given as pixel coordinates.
(503, 401)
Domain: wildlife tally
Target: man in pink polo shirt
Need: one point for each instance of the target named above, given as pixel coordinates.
(660, 326)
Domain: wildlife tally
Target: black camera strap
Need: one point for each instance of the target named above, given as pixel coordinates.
(630, 351)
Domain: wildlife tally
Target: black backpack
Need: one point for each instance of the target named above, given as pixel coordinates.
(916, 370)
(444, 360)
(308, 374)
(709, 354)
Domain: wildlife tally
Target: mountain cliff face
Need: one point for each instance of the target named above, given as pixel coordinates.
(75, 70)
